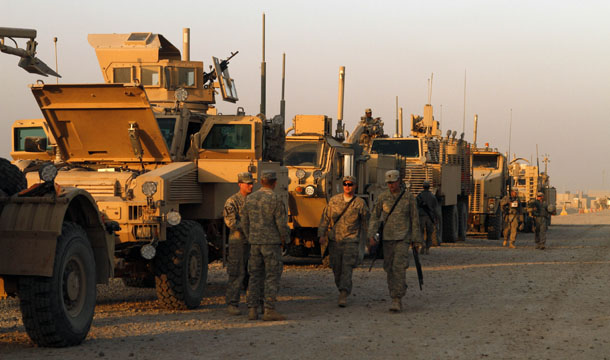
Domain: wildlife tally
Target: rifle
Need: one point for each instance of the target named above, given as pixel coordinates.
(420, 274)
(379, 234)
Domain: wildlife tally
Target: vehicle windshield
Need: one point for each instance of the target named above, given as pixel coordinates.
(485, 160)
(166, 125)
(404, 147)
(229, 136)
(302, 153)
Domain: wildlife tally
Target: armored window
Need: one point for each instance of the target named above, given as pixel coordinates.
(150, 76)
(407, 147)
(121, 75)
(485, 160)
(302, 153)
(34, 135)
(186, 77)
(167, 125)
(229, 136)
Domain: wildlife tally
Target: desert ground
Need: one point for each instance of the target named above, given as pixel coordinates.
(479, 301)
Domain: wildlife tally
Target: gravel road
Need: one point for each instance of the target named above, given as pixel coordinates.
(480, 300)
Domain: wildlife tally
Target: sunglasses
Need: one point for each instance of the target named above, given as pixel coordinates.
(348, 184)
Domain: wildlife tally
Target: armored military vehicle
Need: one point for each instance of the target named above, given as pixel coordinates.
(443, 161)
(156, 156)
(527, 180)
(490, 180)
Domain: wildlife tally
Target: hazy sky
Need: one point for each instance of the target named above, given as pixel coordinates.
(548, 61)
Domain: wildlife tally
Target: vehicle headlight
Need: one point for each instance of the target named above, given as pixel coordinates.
(300, 173)
(317, 174)
(148, 251)
(47, 172)
(149, 188)
(310, 190)
(173, 218)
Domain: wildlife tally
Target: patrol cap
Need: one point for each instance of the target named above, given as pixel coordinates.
(368, 110)
(349, 178)
(391, 176)
(540, 194)
(269, 175)
(426, 184)
(245, 177)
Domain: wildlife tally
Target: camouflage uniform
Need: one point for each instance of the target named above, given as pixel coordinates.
(345, 242)
(400, 230)
(264, 221)
(540, 213)
(239, 250)
(427, 201)
(512, 216)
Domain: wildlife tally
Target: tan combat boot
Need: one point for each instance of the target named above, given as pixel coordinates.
(233, 310)
(504, 243)
(396, 305)
(512, 245)
(252, 313)
(342, 299)
(272, 315)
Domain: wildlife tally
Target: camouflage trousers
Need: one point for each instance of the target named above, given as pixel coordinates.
(343, 259)
(395, 264)
(428, 231)
(540, 232)
(511, 223)
(237, 268)
(265, 269)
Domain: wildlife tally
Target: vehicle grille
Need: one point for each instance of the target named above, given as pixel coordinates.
(106, 189)
(135, 212)
(475, 199)
(186, 188)
(145, 232)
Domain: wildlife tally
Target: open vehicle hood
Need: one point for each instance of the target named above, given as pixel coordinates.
(90, 122)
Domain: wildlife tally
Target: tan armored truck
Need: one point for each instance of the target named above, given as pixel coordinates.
(157, 158)
(528, 181)
(443, 161)
(490, 178)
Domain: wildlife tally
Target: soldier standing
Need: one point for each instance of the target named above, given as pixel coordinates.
(426, 204)
(540, 211)
(264, 222)
(511, 208)
(368, 117)
(239, 250)
(401, 229)
(347, 216)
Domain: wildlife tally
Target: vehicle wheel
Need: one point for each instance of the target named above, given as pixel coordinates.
(494, 228)
(12, 179)
(147, 282)
(181, 266)
(450, 224)
(462, 220)
(58, 311)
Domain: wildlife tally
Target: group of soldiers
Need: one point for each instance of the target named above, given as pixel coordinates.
(538, 209)
(258, 229)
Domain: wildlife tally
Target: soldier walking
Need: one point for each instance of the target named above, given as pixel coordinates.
(541, 212)
(239, 250)
(426, 205)
(343, 222)
(511, 208)
(397, 209)
(264, 223)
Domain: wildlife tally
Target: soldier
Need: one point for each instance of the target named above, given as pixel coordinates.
(239, 250)
(541, 212)
(426, 205)
(264, 222)
(511, 208)
(401, 229)
(347, 216)
(368, 117)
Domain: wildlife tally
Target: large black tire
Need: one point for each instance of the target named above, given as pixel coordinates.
(462, 209)
(450, 224)
(181, 266)
(12, 179)
(494, 226)
(58, 311)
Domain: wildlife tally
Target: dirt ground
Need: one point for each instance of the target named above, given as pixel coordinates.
(480, 300)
